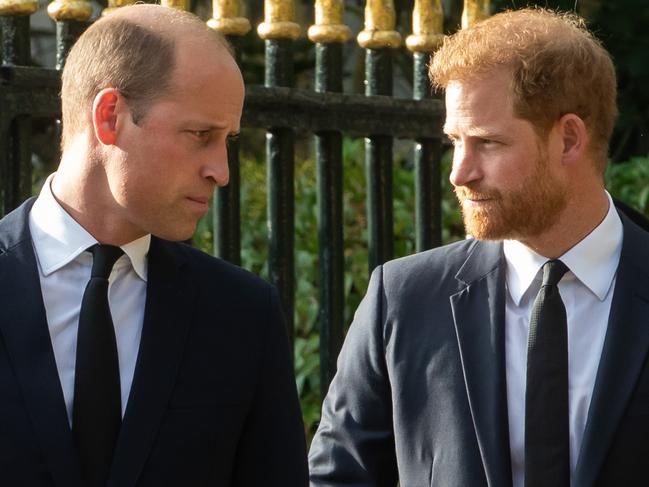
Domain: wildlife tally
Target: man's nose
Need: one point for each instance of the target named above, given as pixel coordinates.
(466, 167)
(216, 167)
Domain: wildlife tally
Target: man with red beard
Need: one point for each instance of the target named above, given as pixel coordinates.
(517, 357)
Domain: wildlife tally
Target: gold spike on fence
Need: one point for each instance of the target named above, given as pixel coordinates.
(61, 10)
(380, 19)
(18, 7)
(226, 18)
(329, 26)
(474, 11)
(427, 26)
(179, 4)
(279, 16)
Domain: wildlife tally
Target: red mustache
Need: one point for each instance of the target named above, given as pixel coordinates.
(465, 192)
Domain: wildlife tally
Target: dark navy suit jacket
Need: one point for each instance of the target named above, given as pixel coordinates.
(420, 391)
(213, 400)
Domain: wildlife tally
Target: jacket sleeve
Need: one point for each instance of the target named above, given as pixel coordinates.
(354, 444)
(272, 448)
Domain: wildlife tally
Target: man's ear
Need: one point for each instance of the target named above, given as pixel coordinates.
(104, 115)
(574, 137)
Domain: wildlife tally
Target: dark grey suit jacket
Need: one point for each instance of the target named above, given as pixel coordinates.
(213, 401)
(420, 392)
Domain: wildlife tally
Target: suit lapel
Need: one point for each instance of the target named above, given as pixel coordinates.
(27, 340)
(624, 353)
(170, 295)
(479, 315)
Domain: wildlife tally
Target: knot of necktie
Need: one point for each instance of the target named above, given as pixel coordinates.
(103, 259)
(553, 271)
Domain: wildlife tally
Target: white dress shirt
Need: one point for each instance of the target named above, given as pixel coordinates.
(64, 268)
(586, 291)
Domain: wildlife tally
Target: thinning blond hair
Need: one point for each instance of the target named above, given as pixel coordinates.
(557, 66)
(131, 50)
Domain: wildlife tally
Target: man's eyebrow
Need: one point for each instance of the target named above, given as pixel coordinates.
(473, 132)
(206, 125)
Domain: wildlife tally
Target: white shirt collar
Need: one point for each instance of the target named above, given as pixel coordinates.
(593, 260)
(58, 238)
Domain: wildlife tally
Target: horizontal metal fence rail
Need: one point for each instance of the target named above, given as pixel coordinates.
(28, 92)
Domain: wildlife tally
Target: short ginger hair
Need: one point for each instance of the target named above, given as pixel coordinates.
(557, 67)
(131, 50)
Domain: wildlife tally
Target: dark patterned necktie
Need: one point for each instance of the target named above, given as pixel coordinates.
(547, 432)
(97, 410)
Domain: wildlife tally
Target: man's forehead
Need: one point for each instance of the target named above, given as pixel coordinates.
(480, 106)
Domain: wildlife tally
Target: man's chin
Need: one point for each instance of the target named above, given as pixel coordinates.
(482, 228)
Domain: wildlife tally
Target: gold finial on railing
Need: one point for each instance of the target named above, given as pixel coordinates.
(61, 10)
(278, 20)
(474, 11)
(380, 19)
(10, 8)
(329, 26)
(226, 20)
(427, 26)
(115, 4)
(179, 4)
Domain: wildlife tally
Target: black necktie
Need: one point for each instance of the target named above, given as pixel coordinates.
(97, 410)
(547, 433)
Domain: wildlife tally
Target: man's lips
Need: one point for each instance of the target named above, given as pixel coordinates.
(200, 203)
(476, 202)
(467, 195)
(199, 199)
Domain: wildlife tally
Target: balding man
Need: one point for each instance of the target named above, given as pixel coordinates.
(127, 359)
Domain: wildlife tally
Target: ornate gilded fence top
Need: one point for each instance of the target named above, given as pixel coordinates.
(18, 7)
(329, 25)
(379, 32)
(427, 26)
(475, 11)
(61, 10)
(279, 16)
(228, 18)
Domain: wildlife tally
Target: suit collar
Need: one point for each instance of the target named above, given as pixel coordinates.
(168, 314)
(25, 335)
(479, 316)
(623, 356)
(483, 257)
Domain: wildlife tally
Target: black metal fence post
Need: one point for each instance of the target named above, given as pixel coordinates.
(378, 38)
(227, 200)
(15, 141)
(427, 27)
(279, 31)
(329, 33)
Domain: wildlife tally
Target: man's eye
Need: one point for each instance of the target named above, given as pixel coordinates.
(233, 138)
(200, 134)
(487, 142)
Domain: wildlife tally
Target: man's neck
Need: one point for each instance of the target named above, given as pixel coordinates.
(81, 188)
